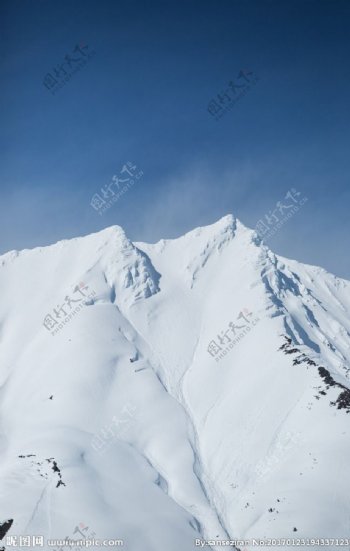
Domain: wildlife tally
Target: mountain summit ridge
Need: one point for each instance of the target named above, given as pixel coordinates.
(190, 388)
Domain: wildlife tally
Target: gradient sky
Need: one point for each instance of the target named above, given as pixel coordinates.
(143, 97)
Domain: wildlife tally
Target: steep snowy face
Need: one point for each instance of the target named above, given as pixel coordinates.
(196, 388)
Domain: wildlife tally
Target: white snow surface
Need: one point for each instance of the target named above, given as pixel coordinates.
(159, 442)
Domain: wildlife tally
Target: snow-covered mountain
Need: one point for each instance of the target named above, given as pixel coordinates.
(165, 395)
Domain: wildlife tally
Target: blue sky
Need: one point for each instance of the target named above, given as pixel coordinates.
(143, 97)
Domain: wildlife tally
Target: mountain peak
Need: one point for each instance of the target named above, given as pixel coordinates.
(136, 368)
(225, 225)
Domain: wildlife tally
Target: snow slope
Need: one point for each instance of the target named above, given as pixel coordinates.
(191, 389)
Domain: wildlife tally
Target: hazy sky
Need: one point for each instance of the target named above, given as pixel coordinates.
(143, 97)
